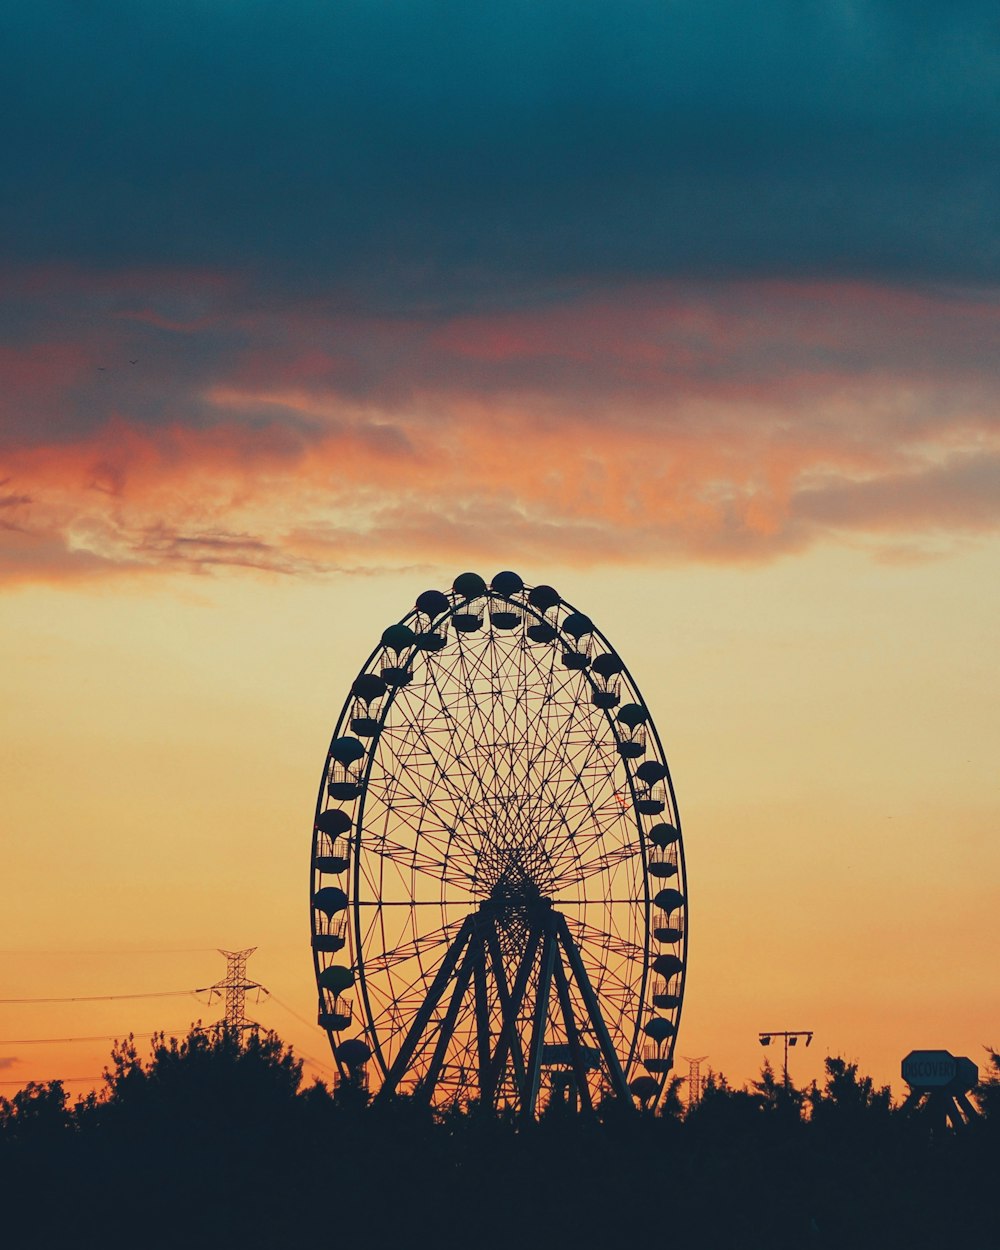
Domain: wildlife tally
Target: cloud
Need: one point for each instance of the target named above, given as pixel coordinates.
(361, 284)
(451, 155)
(8, 1061)
(649, 422)
(963, 493)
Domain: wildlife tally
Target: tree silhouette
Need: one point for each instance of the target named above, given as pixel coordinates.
(38, 1112)
(849, 1103)
(988, 1089)
(777, 1097)
(213, 1078)
(211, 1139)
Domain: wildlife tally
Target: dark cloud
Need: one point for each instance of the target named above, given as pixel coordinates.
(408, 152)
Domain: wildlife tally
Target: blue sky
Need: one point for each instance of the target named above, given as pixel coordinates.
(414, 152)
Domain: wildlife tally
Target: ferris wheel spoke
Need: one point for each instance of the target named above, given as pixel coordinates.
(518, 720)
(613, 940)
(585, 833)
(424, 854)
(581, 767)
(551, 706)
(404, 801)
(617, 971)
(411, 807)
(482, 728)
(486, 732)
(561, 764)
(379, 903)
(455, 749)
(509, 692)
(463, 735)
(555, 747)
(604, 862)
(439, 774)
(574, 769)
(396, 997)
(561, 902)
(420, 945)
(584, 846)
(406, 857)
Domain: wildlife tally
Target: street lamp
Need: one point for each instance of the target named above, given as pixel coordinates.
(791, 1038)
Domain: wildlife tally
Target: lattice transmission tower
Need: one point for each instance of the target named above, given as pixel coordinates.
(235, 985)
(694, 1079)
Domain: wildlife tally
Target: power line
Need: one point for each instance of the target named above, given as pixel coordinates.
(175, 950)
(292, 1012)
(106, 998)
(235, 986)
(98, 1037)
(62, 1080)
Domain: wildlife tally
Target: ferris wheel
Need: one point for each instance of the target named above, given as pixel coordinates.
(498, 899)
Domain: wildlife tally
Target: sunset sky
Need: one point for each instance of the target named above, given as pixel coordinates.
(691, 310)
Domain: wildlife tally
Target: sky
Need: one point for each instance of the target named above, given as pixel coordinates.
(691, 310)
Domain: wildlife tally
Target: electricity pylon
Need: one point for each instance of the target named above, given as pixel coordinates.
(235, 986)
(694, 1079)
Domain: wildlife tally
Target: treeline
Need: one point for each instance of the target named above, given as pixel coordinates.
(212, 1142)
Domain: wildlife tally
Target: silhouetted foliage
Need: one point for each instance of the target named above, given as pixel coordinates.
(988, 1091)
(211, 1075)
(37, 1112)
(777, 1097)
(214, 1140)
(848, 1104)
(670, 1102)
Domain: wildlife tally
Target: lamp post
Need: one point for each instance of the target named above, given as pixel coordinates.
(791, 1038)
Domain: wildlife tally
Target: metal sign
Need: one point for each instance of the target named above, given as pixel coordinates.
(939, 1070)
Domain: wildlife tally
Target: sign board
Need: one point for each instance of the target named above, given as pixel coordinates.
(560, 1054)
(929, 1069)
(939, 1069)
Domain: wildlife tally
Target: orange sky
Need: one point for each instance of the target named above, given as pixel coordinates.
(830, 721)
(689, 310)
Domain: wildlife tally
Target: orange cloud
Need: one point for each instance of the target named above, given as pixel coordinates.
(672, 422)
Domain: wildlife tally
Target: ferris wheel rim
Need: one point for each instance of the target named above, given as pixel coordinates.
(489, 596)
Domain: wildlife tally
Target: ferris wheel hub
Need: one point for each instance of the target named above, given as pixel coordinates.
(506, 901)
(513, 869)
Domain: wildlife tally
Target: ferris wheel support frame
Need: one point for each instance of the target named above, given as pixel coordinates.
(548, 942)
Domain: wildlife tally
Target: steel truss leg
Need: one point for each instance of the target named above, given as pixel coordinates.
(952, 1112)
(438, 985)
(483, 1041)
(475, 938)
(572, 1035)
(510, 1006)
(538, 1025)
(426, 1087)
(970, 1111)
(615, 1072)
